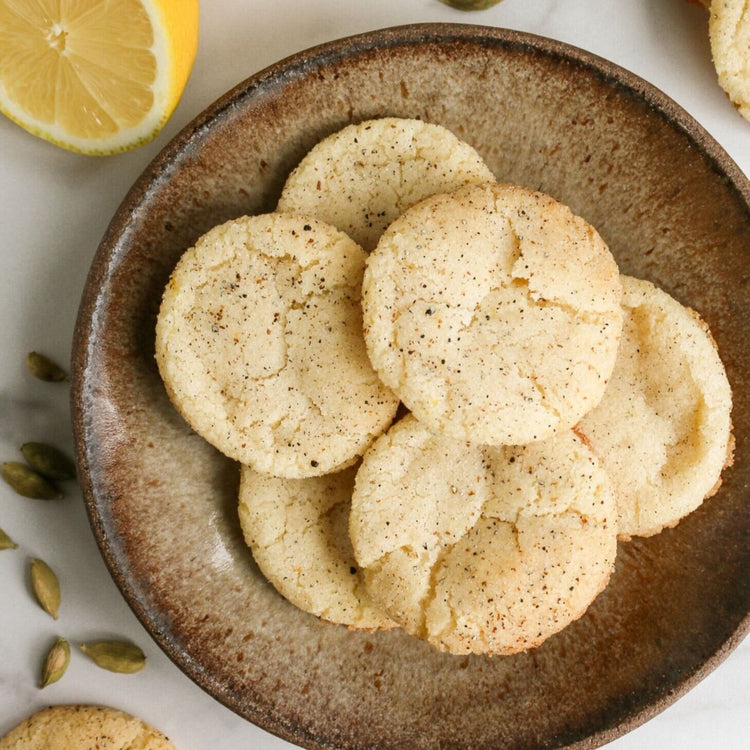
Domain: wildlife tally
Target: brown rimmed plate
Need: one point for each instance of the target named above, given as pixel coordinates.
(673, 207)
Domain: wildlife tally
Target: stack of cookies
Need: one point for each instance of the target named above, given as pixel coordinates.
(447, 401)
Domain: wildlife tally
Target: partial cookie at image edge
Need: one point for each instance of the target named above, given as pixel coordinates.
(83, 727)
(729, 36)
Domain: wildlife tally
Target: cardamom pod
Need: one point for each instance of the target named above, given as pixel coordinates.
(45, 586)
(48, 461)
(6, 542)
(116, 656)
(44, 368)
(56, 662)
(471, 4)
(29, 483)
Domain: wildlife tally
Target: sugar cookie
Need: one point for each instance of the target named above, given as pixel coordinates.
(298, 532)
(82, 727)
(663, 428)
(729, 35)
(482, 549)
(362, 177)
(259, 343)
(494, 313)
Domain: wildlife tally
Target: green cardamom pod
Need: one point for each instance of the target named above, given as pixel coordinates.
(48, 461)
(58, 658)
(44, 368)
(6, 542)
(116, 656)
(29, 483)
(471, 4)
(45, 586)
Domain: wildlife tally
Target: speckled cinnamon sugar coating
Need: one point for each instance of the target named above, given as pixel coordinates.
(362, 177)
(298, 532)
(494, 313)
(729, 34)
(663, 428)
(482, 549)
(83, 727)
(259, 343)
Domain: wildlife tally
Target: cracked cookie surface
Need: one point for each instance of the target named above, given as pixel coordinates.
(362, 177)
(83, 727)
(663, 428)
(482, 549)
(298, 532)
(259, 343)
(494, 313)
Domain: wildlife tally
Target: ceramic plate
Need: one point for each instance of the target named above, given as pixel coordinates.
(162, 503)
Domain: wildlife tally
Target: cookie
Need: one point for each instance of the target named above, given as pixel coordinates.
(259, 344)
(494, 313)
(485, 550)
(663, 428)
(362, 177)
(81, 727)
(729, 35)
(298, 532)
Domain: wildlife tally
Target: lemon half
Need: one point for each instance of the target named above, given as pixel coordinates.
(95, 76)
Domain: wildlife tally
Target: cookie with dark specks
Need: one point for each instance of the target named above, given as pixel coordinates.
(259, 344)
(494, 313)
(84, 727)
(485, 550)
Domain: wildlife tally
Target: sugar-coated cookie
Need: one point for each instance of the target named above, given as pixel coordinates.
(83, 727)
(663, 428)
(482, 549)
(298, 532)
(259, 343)
(729, 35)
(494, 313)
(362, 177)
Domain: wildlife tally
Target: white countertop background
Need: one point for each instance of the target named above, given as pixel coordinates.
(55, 208)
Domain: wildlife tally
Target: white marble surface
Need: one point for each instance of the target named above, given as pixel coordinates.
(55, 207)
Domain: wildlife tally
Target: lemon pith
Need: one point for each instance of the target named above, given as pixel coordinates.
(91, 76)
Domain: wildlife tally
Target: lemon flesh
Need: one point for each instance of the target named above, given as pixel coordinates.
(91, 76)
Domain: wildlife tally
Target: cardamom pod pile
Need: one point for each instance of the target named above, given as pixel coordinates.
(37, 477)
